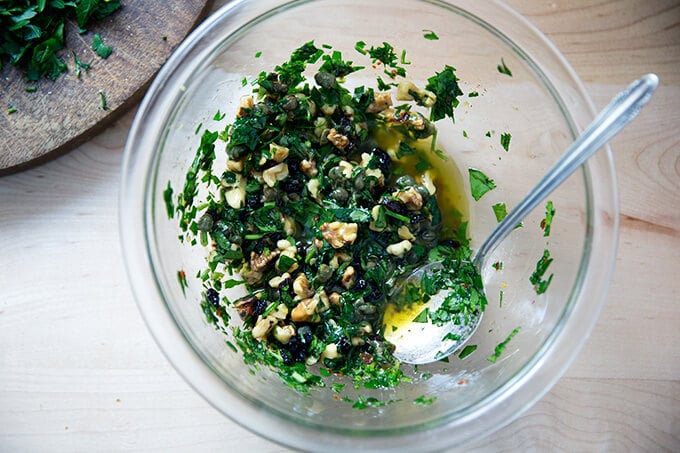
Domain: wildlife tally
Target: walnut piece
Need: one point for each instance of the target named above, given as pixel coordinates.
(339, 233)
(381, 101)
(337, 139)
(411, 198)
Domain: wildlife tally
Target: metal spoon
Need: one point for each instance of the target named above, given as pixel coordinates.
(424, 342)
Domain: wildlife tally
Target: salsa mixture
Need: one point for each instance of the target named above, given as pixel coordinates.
(328, 198)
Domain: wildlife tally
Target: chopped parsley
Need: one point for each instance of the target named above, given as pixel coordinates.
(80, 66)
(473, 94)
(429, 34)
(167, 197)
(546, 223)
(500, 211)
(11, 108)
(467, 350)
(498, 350)
(536, 278)
(503, 69)
(505, 141)
(100, 48)
(444, 85)
(102, 97)
(424, 401)
(480, 184)
(258, 54)
(33, 32)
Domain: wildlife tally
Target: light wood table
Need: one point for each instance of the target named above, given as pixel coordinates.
(79, 371)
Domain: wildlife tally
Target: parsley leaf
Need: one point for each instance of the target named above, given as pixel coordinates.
(547, 221)
(503, 69)
(429, 34)
(467, 350)
(445, 86)
(479, 183)
(100, 48)
(501, 346)
(505, 140)
(536, 278)
(500, 210)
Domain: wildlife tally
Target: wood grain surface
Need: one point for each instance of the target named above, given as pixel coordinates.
(79, 371)
(64, 113)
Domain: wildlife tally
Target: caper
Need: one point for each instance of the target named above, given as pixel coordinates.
(340, 195)
(236, 152)
(422, 190)
(324, 274)
(290, 103)
(360, 180)
(205, 223)
(325, 79)
(406, 181)
(336, 174)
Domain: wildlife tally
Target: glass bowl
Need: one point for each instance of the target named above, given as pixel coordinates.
(542, 105)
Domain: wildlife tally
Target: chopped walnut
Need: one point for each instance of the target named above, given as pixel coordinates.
(301, 286)
(263, 326)
(339, 233)
(399, 248)
(284, 333)
(405, 233)
(335, 299)
(305, 311)
(381, 101)
(411, 198)
(278, 152)
(407, 91)
(348, 277)
(308, 167)
(276, 173)
(337, 139)
(258, 262)
(245, 105)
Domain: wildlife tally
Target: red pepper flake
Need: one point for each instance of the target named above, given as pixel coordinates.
(462, 382)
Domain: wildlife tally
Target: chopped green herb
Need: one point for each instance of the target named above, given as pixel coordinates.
(102, 97)
(31, 89)
(451, 336)
(164, 38)
(536, 278)
(503, 69)
(445, 86)
(258, 54)
(422, 316)
(479, 183)
(473, 94)
(403, 58)
(467, 350)
(33, 32)
(500, 211)
(219, 116)
(79, 65)
(501, 346)
(244, 81)
(429, 34)
(465, 134)
(182, 279)
(488, 133)
(505, 141)
(546, 223)
(424, 401)
(500, 299)
(11, 109)
(498, 265)
(338, 387)
(167, 196)
(100, 48)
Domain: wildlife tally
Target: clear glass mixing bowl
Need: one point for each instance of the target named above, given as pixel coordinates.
(543, 105)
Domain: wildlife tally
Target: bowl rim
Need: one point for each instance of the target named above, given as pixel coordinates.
(134, 211)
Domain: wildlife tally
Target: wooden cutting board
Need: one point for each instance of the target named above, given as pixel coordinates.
(61, 114)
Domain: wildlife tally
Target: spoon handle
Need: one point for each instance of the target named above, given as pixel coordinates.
(620, 111)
